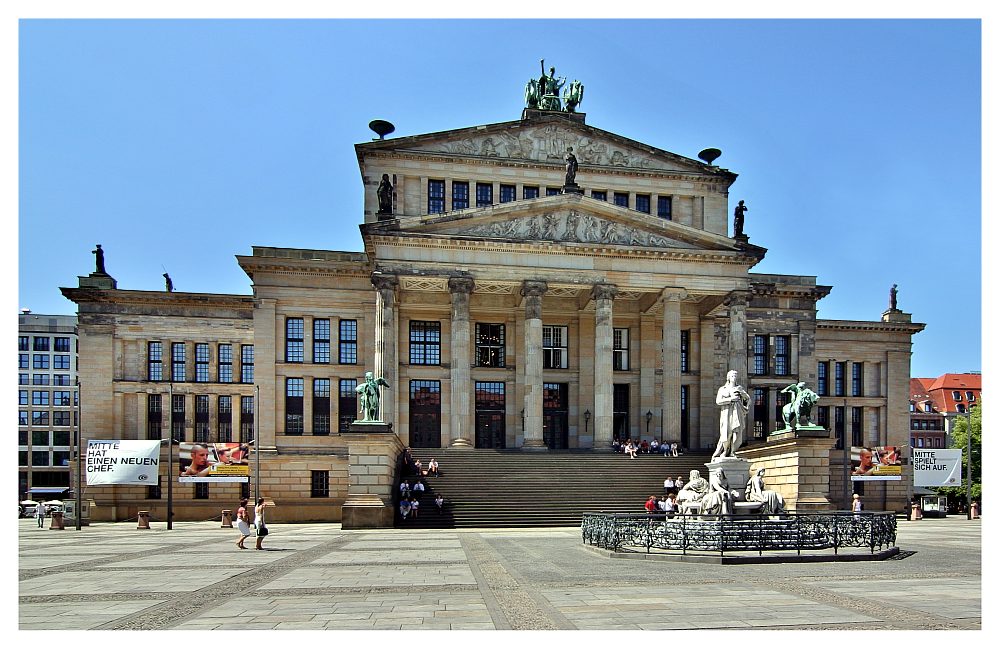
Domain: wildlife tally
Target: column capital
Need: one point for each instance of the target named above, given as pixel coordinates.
(384, 281)
(604, 291)
(532, 288)
(737, 299)
(461, 285)
(673, 294)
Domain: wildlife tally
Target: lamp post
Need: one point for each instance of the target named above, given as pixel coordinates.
(649, 418)
(79, 458)
(256, 444)
(968, 468)
(170, 460)
(586, 420)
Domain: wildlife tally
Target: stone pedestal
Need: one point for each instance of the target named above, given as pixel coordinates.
(97, 280)
(797, 466)
(57, 521)
(572, 189)
(227, 518)
(737, 473)
(143, 521)
(374, 451)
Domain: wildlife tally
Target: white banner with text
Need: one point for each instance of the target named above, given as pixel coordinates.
(123, 461)
(937, 467)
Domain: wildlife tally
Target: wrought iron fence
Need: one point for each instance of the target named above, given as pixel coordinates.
(740, 532)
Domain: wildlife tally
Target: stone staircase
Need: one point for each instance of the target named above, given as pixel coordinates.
(514, 488)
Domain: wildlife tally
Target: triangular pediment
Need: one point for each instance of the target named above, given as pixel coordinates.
(545, 140)
(567, 219)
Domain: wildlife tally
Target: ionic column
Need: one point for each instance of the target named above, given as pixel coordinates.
(532, 293)
(461, 360)
(603, 295)
(670, 398)
(386, 363)
(737, 303)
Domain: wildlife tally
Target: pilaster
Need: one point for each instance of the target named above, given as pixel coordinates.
(462, 426)
(603, 295)
(532, 293)
(670, 399)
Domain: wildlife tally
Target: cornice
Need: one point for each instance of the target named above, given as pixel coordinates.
(158, 298)
(866, 325)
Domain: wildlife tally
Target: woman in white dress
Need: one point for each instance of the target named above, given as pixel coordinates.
(243, 524)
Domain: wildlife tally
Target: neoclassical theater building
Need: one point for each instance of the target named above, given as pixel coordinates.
(505, 310)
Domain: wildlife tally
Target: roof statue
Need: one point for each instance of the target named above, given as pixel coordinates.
(544, 93)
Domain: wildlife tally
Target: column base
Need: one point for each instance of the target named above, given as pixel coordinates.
(365, 511)
(461, 442)
(534, 445)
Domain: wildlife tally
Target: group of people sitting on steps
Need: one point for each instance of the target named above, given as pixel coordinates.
(631, 448)
(667, 503)
(410, 494)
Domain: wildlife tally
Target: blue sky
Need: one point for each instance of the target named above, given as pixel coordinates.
(180, 144)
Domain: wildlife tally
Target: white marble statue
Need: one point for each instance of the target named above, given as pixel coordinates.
(774, 503)
(694, 490)
(719, 499)
(735, 403)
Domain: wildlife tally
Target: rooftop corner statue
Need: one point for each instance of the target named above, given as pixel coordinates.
(369, 391)
(543, 93)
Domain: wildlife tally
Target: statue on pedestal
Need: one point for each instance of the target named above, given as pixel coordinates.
(735, 403)
(384, 195)
(803, 399)
(99, 261)
(738, 216)
(369, 391)
(168, 282)
(892, 297)
(774, 503)
(718, 500)
(571, 167)
(694, 490)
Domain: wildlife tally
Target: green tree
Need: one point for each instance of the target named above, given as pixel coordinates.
(960, 439)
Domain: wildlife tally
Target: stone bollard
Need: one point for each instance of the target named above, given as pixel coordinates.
(915, 513)
(227, 518)
(143, 521)
(975, 510)
(57, 521)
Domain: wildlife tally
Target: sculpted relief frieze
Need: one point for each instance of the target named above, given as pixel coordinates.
(572, 227)
(549, 144)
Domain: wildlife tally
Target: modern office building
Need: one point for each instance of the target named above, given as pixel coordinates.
(508, 303)
(47, 399)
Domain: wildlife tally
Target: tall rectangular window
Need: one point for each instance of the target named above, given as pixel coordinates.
(425, 343)
(685, 350)
(838, 425)
(782, 355)
(320, 484)
(857, 380)
(22, 397)
(154, 491)
(620, 349)
(529, 192)
(321, 407)
(347, 404)
(621, 199)
(555, 347)
(321, 340)
(177, 415)
(599, 196)
(201, 425)
(23, 343)
(781, 399)
(246, 363)
(201, 362)
(62, 345)
(294, 340)
(642, 203)
(508, 193)
(22, 361)
(154, 416)
(435, 196)
(348, 344)
(838, 379)
(154, 362)
(484, 194)
(760, 355)
(823, 378)
(857, 433)
(201, 490)
(246, 419)
(761, 410)
(823, 416)
(664, 207)
(459, 195)
(41, 344)
(225, 363)
(490, 345)
(225, 419)
(178, 360)
(293, 406)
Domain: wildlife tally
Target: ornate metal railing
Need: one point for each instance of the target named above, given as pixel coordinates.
(741, 532)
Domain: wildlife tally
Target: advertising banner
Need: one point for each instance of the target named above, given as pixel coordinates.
(123, 461)
(937, 467)
(206, 462)
(876, 463)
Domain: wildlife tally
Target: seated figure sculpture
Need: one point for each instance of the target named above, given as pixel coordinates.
(773, 502)
(694, 490)
(719, 499)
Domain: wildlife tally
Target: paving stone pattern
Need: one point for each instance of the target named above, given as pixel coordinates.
(112, 576)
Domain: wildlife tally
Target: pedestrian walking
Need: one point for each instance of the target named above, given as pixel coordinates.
(243, 524)
(40, 515)
(258, 523)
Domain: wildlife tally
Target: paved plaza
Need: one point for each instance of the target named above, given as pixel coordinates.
(113, 576)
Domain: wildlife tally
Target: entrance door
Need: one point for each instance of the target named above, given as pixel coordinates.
(491, 406)
(425, 414)
(555, 415)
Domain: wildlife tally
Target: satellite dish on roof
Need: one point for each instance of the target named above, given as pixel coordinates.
(381, 128)
(709, 155)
